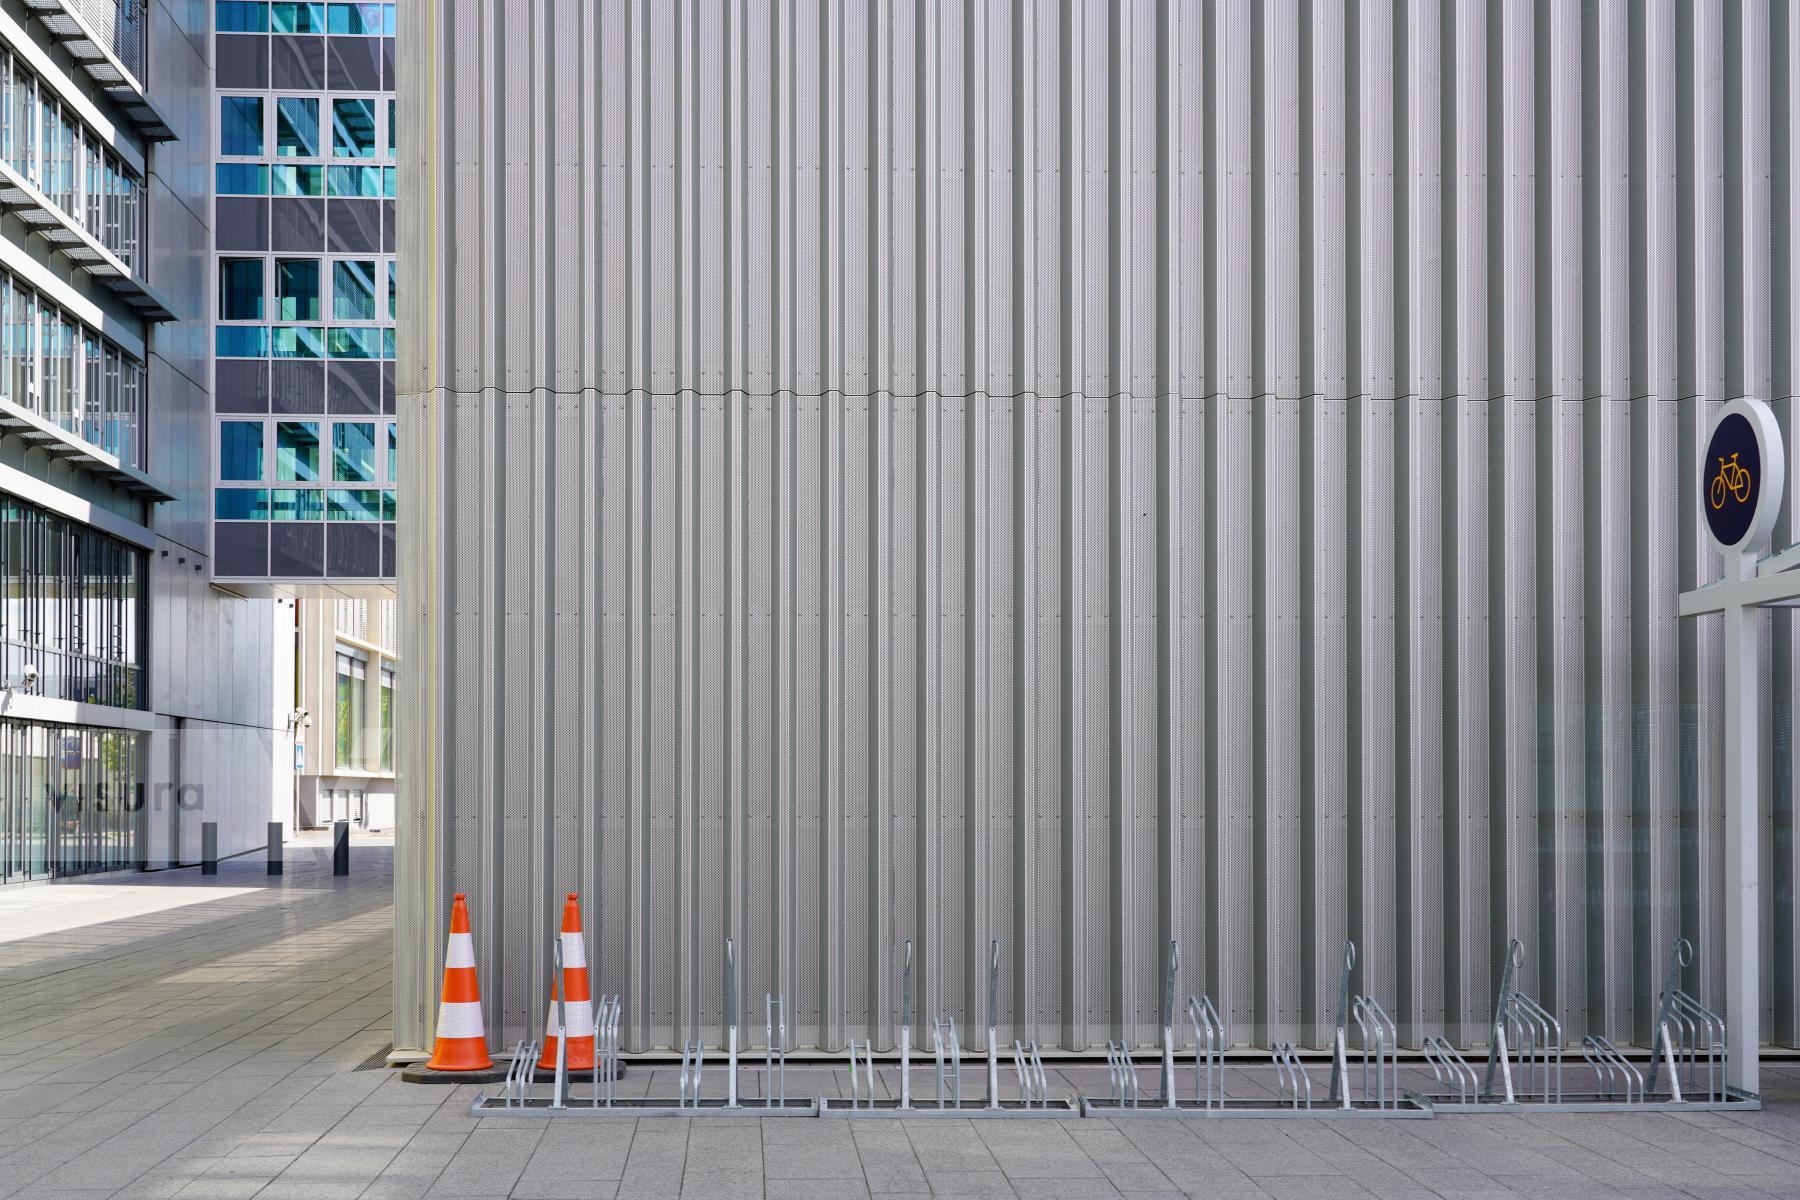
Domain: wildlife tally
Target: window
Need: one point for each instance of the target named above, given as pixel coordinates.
(391, 131)
(297, 451)
(393, 451)
(389, 504)
(353, 452)
(352, 128)
(296, 127)
(298, 18)
(73, 607)
(356, 18)
(346, 504)
(241, 16)
(240, 289)
(241, 451)
(355, 342)
(393, 289)
(297, 289)
(289, 180)
(356, 182)
(387, 718)
(241, 179)
(297, 504)
(84, 783)
(241, 504)
(299, 341)
(241, 341)
(351, 675)
(353, 290)
(241, 126)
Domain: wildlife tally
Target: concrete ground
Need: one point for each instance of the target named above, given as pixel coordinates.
(214, 1039)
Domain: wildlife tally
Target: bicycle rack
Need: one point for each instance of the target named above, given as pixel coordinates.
(1291, 1075)
(1209, 1053)
(1034, 1081)
(1382, 1036)
(1125, 1091)
(1686, 1030)
(1525, 1061)
(690, 1099)
(1380, 1042)
(1451, 1069)
(1614, 1076)
(1034, 1097)
(944, 1040)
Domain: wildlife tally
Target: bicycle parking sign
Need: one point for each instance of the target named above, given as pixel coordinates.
(1741, 475)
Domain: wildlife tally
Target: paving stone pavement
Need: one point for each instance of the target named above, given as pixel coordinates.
(211, 1050)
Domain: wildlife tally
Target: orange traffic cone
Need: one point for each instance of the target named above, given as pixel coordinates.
(461, 1040)
(579, 1000)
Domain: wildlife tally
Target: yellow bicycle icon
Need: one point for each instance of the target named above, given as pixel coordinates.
(1731, 478)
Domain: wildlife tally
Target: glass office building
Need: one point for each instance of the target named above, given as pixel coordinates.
(106, 711)
(304, 294)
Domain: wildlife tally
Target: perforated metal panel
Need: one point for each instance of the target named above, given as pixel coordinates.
(1080, 474)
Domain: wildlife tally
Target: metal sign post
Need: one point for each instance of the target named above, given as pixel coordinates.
(731, 1027)
(993, 1046)
(1741, 482)
(906, 1028)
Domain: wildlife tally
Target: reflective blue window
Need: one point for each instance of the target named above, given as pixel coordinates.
(353, 452)
(355, 343)
(297, 504)
(356, 18)
(241, 16)
(297, 127)
(298, 17)
(241, 125)
(299, 341)
(241, 504)
(299, 181)
(241, 451)
(240, 289)
(242, 179)
(343, 504)
(242, 341)
(353, 128)
(297, 451)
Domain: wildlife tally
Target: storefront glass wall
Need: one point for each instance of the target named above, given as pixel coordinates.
(71, 799)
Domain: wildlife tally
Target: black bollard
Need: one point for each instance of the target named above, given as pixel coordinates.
(340, 847)
(209, 847)
(274, 847)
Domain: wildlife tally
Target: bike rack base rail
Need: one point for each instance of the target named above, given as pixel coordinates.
(974, 1110)
(1573, 1102)
(1409, 1107)
(640, 1106)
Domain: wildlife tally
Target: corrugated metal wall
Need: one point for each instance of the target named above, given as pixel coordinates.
(1081, 474)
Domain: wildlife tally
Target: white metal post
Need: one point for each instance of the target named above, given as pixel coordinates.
(1743, 986)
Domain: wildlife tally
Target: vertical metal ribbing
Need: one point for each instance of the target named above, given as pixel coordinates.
(1785, 353)
(918, 303)
(1711, 301)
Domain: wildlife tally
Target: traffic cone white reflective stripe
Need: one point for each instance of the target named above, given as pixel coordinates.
(578, 1001)
(461, 1038)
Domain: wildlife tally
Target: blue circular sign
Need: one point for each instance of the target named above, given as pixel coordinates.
(1731, 479)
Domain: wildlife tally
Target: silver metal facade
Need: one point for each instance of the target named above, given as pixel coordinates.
(1081, 474)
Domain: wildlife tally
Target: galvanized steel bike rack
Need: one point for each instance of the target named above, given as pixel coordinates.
(1525, 1060)
(1033, 1100)
(690, 1099)
(1686, 1030)
(1294, 1098)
